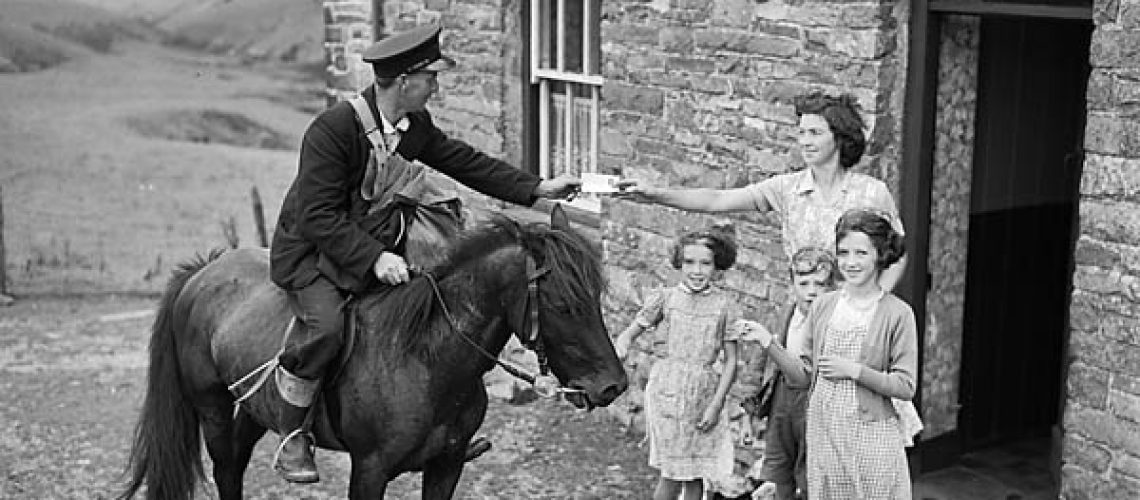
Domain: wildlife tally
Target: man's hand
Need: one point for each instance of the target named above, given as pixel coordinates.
(633, 189)
(561, 187)
(390, 269)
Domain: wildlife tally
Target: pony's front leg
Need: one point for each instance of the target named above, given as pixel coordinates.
(441, 475)
(369, 478)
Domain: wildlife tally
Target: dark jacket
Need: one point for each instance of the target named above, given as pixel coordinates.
(323, 210)
(780, 336)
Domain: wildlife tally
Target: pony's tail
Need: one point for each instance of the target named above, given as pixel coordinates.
(167, 453)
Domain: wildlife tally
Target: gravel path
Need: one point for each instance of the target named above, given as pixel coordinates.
(72, 377)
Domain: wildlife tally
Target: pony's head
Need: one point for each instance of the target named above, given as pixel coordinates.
(486, 272)
(565, 281)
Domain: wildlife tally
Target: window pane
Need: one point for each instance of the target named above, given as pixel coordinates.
(572, 35)
(570, 143)
(561, 36)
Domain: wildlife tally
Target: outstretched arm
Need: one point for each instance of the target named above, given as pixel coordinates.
(699, 199)
(797, 370)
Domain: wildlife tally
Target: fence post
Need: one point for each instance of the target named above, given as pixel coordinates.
(4, 298)
(259, 217)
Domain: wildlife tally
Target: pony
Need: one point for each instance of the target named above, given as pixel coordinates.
(408, 395)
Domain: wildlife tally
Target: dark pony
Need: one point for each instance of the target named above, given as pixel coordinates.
(408, 397)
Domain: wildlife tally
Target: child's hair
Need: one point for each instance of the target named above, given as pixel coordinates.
(720, 238)
(842, 115)
(888, 243)
(809, 260)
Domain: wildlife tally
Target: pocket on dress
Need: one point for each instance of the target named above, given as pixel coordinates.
(666, 402)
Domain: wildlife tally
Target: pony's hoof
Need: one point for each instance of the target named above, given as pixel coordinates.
(476, 448)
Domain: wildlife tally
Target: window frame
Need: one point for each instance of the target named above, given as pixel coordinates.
(538, 96)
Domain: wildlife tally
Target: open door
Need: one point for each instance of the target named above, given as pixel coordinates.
(1030, 124)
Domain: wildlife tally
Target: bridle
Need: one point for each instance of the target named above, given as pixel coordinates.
(544, 384)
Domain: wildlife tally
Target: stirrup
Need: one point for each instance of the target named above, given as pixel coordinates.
(281, 446)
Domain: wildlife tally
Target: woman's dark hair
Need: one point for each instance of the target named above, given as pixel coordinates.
(888, 243)
(842, 115)
(721, 239)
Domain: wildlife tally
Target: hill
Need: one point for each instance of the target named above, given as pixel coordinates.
(38, 34)
(278, 30)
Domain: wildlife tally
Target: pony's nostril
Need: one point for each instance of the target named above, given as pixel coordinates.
(611, 392)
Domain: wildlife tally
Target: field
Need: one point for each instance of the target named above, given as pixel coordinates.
(123, 155)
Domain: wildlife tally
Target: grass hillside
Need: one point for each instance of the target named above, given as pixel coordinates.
(23, 48)
(278, 30)
(39, 34)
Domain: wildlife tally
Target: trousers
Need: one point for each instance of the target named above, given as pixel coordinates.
(319, 311)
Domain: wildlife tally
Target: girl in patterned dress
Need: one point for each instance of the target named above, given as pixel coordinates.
(684, 399)
(864, 350)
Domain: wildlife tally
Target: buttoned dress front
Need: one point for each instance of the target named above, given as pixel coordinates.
(808, 217)
(682, 384)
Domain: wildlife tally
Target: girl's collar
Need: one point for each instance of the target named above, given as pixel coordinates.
(688, 289)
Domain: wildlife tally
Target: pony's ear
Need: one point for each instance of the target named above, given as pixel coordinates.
(558, 219)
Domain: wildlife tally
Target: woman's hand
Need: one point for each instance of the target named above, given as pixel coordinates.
(709, 418)
(837, 368)
(634, 189)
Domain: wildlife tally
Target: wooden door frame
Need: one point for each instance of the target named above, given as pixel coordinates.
(918, 165)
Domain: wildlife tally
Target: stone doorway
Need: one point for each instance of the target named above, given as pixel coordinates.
(1007, 158)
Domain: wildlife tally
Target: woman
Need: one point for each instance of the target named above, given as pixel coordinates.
(809, 201)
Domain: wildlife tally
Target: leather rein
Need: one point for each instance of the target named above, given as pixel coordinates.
(544, 384)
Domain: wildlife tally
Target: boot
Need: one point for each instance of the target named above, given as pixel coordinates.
(294, 458)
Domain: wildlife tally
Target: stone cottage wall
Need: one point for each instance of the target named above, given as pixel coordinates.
(949, 221)
(699, 93)
(1101, 446)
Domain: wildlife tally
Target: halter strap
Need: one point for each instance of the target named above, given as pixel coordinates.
(533, 275)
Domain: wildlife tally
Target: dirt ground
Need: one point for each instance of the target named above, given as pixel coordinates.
(72, 376)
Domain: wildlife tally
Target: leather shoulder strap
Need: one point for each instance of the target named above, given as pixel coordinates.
(364, 114)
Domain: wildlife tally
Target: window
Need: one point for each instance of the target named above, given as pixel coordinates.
(566, 86)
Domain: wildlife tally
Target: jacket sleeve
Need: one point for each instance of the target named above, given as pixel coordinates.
(902, 363)
(474, 168)
(323, 199)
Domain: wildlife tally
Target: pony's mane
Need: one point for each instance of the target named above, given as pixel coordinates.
(576, 277)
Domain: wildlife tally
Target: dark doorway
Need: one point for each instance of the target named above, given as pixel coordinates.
(1030, 125)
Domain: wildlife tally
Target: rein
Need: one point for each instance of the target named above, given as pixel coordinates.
(544, 384)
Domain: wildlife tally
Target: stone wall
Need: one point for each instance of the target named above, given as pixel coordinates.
(348, 31)
(949, 221)
(1101, 447)
(699, 94)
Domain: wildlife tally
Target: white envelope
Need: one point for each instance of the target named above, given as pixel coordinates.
(599, 183)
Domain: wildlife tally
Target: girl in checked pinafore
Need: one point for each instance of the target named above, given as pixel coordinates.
(864, 349)
(864, 352)
(684, 398)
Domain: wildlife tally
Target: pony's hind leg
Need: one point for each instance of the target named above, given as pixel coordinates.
(441, 475)
(369, 478)
(230, 444)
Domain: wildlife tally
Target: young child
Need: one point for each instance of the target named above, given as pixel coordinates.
(864, 351)
(812, 272)
(684, 398)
